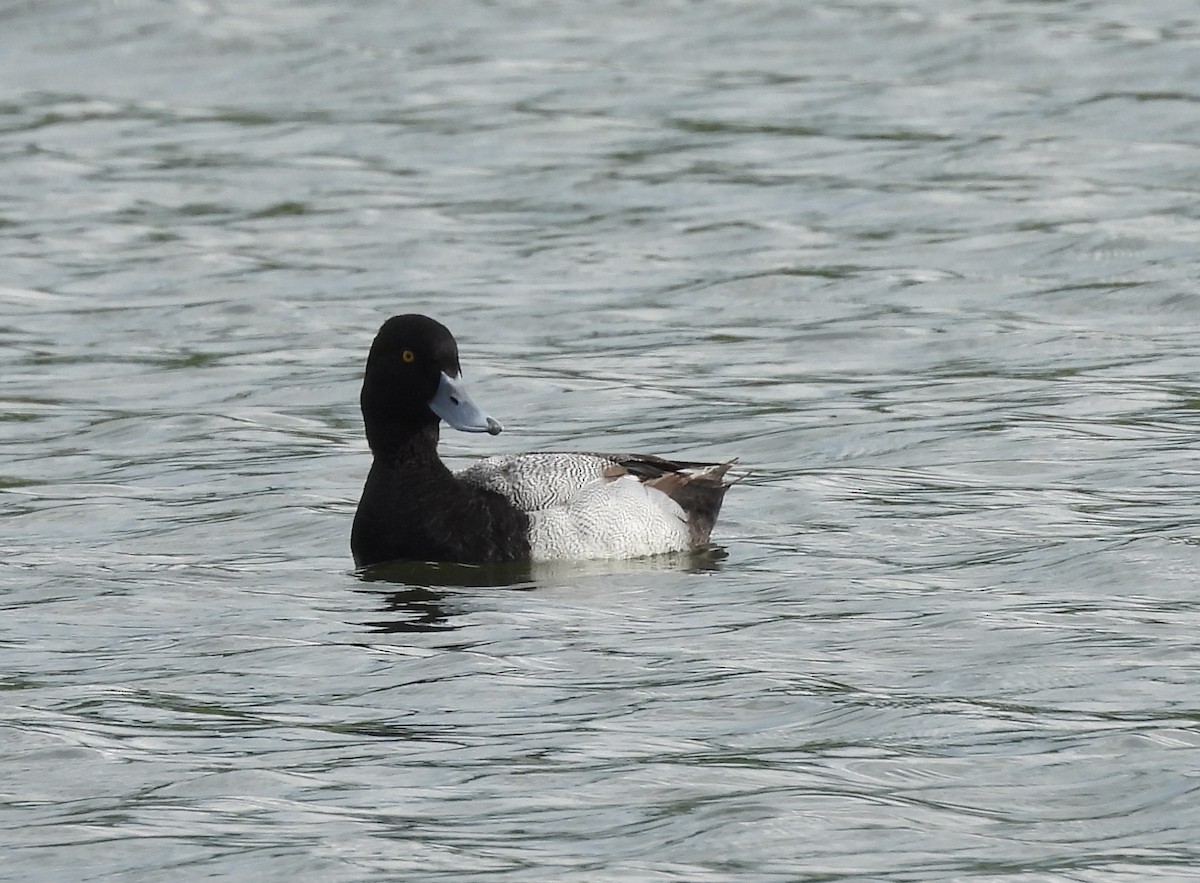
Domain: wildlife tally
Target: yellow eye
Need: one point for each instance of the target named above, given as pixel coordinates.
(408, 356)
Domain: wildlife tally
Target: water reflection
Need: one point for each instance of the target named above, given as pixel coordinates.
(532, 574)
(413, 610)
(434, 574)
(421, 605)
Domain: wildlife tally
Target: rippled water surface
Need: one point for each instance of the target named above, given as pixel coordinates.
(928, 268)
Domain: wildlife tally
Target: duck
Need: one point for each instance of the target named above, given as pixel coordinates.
(540, 506)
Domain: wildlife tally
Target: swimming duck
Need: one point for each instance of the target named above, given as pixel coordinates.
(511, 507)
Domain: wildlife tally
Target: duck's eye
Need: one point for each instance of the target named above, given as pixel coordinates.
(408, 356)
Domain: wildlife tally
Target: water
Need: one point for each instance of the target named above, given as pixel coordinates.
(928, 269)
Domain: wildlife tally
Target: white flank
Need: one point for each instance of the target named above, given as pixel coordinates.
(577, 513)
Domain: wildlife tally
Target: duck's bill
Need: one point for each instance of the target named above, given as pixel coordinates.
(453, 405)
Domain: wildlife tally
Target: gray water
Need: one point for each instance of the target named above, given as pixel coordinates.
(928, 269)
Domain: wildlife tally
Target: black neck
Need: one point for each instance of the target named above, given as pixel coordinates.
(408, 442)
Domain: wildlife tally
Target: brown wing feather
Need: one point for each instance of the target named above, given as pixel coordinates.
(698, 487)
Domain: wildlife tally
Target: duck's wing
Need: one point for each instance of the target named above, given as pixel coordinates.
(587, 505)
(533, 482)
(698, 488)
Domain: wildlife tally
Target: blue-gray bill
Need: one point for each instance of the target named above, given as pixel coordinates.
(453, 405)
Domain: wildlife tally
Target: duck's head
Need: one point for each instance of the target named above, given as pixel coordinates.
(413, 380)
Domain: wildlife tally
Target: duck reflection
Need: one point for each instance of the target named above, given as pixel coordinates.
(427, 594)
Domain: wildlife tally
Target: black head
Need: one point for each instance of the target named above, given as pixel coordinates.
(412, 382)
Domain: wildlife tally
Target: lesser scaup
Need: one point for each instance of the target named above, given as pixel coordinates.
(513, 507)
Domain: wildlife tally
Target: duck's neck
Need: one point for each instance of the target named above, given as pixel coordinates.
(411, 443)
